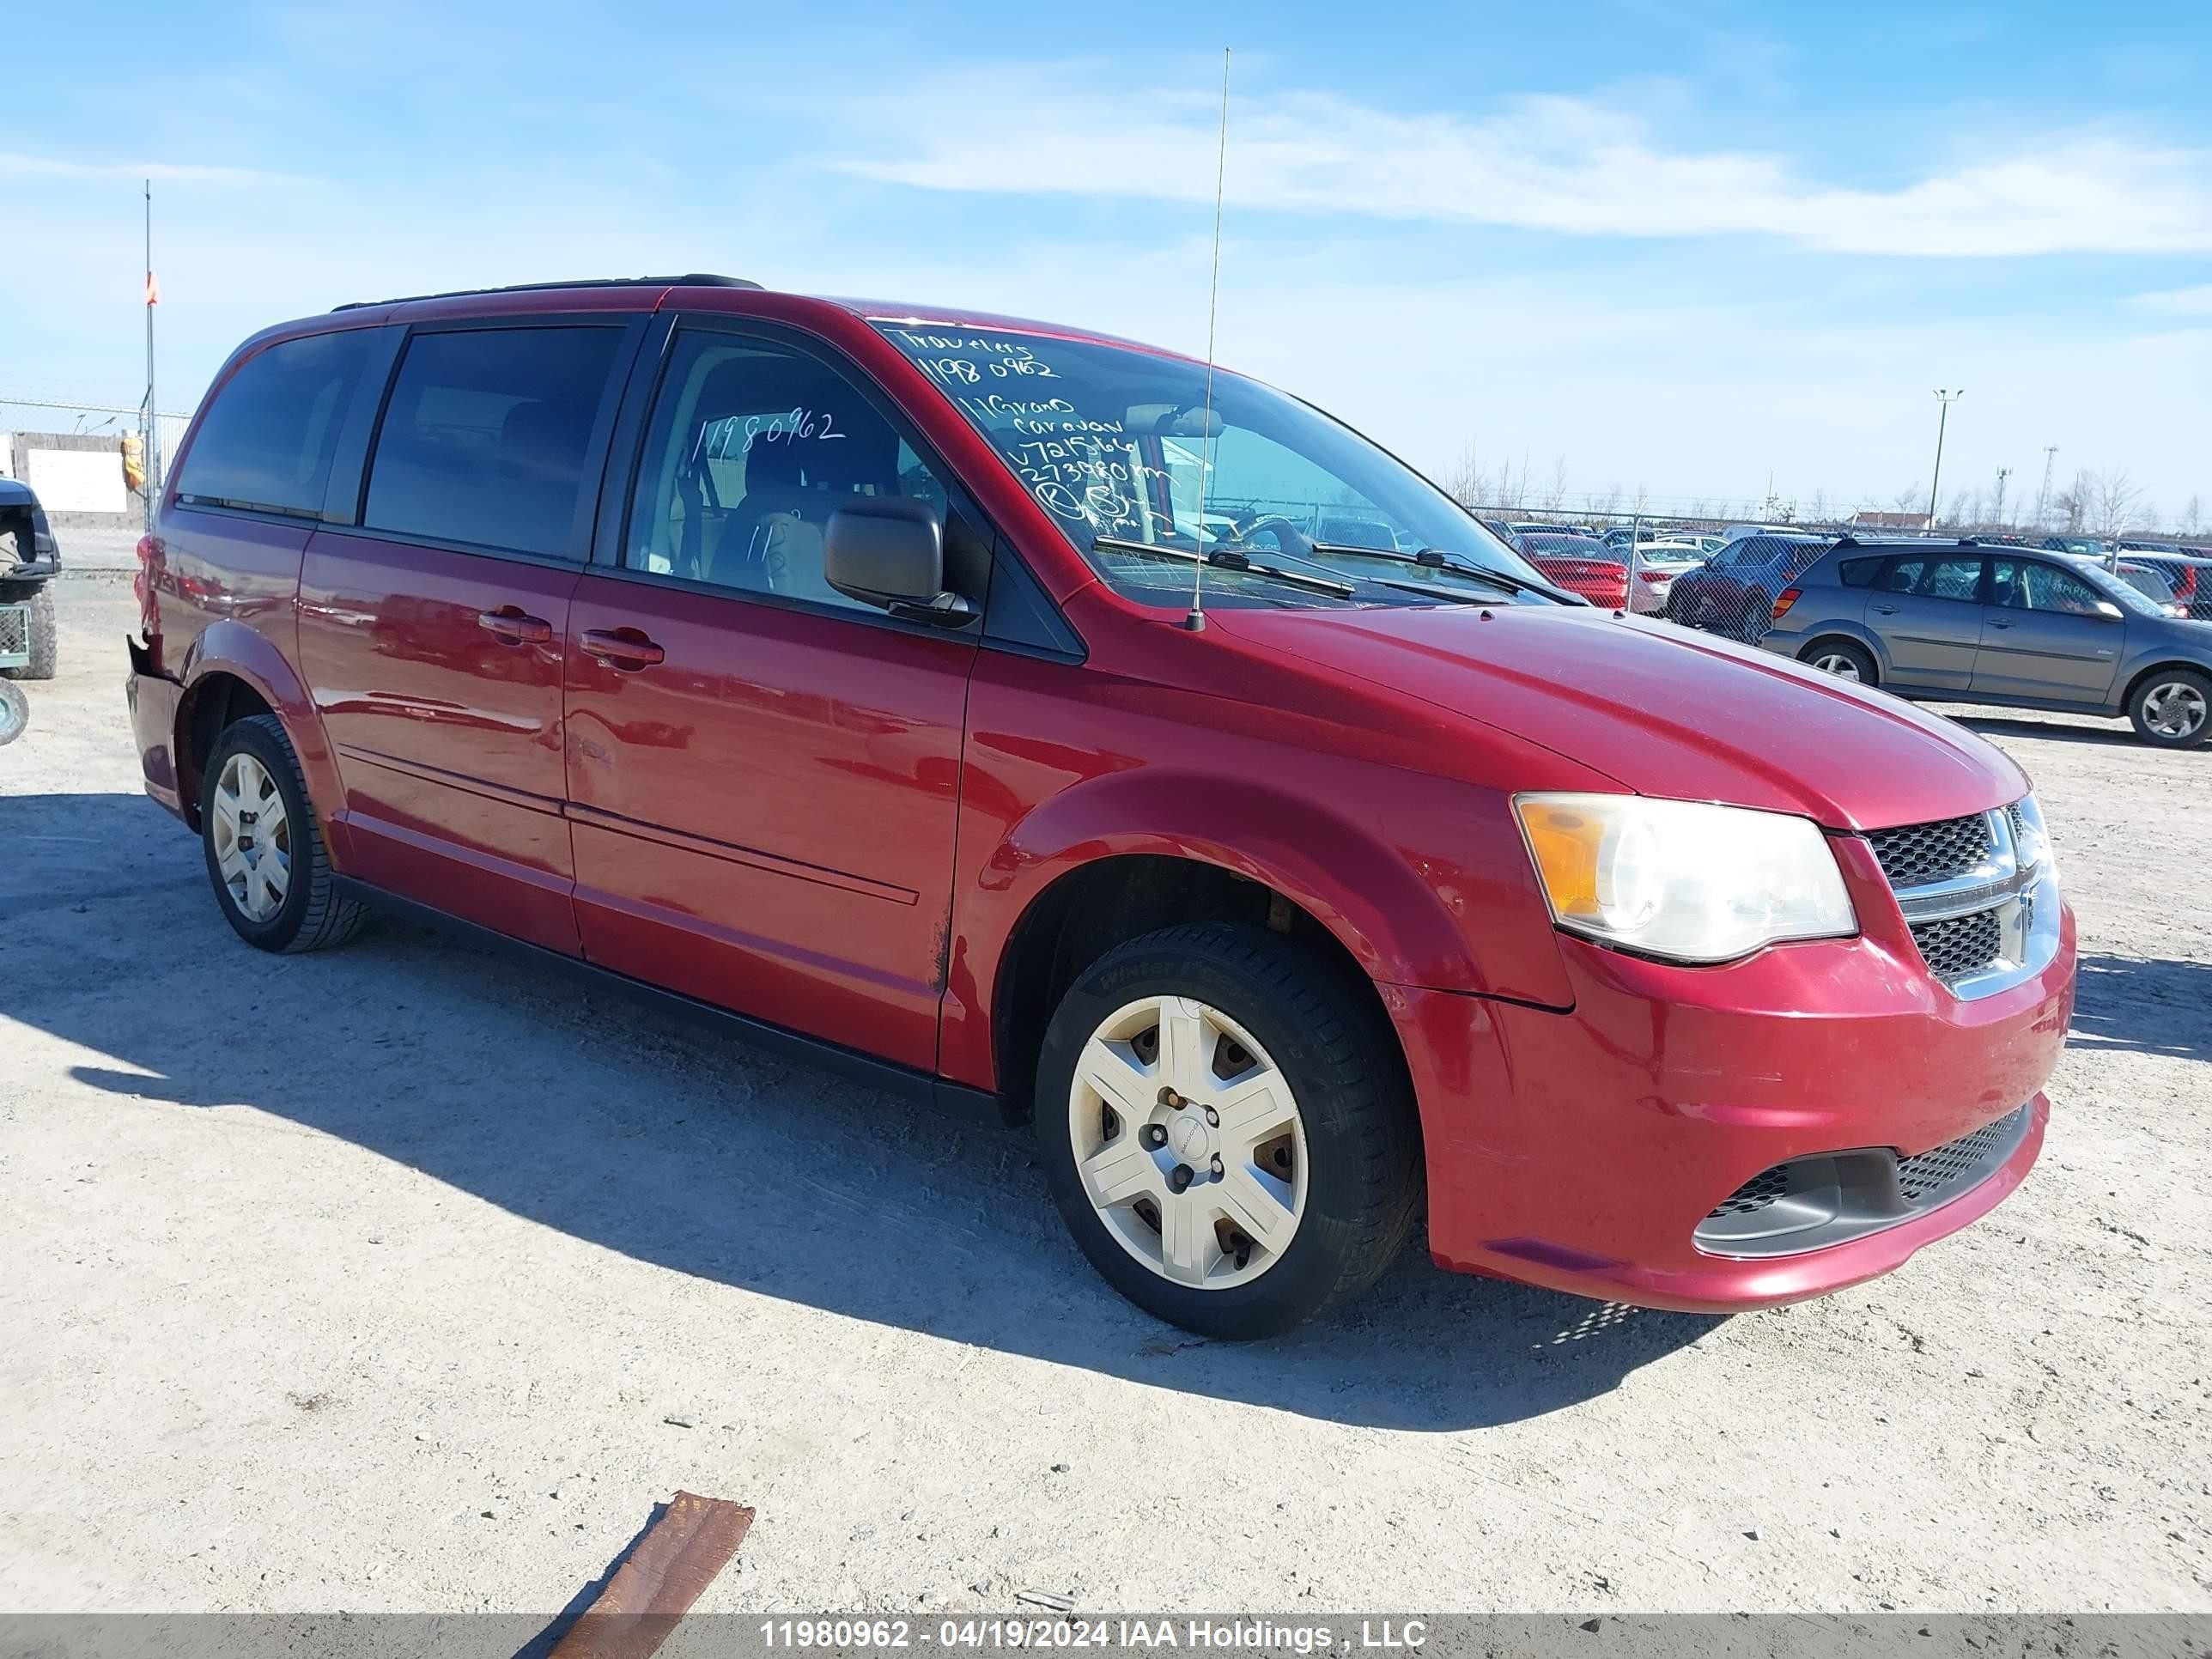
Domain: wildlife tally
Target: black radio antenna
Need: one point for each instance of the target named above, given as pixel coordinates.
(1196, 619)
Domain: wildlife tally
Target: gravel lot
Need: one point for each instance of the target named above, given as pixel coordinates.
(400, 1278)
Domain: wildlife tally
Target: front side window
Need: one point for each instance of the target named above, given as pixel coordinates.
(486, 439)
(2029, 585)
(266, 442)
(1144, 471)
(752, 445)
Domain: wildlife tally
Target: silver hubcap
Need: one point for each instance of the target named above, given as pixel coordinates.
(1188, 1142)
(1836, 663)
(252, 838)
(2176, 709)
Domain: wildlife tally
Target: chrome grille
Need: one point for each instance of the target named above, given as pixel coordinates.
(1919, 853)
(1960, 946)
(1972, 891)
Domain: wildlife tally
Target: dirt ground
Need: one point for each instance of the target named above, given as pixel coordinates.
(400, 1278)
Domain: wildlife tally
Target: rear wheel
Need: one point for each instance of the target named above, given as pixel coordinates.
(1227, 1129)
(1841, 658)
(264, 849)
(14, 713)
(44, 647)
(2173, 708)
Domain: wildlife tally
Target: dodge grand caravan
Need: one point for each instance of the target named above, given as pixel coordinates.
(985, 706)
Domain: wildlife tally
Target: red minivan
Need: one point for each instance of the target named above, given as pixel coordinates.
(980, 705)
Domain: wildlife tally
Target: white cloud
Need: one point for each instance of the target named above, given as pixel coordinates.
(1571, 165)
(2180, 301)
(13, 164)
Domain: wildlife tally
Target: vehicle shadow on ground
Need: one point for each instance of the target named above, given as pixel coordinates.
(2154, 1005)
(2054, 731)
(636, 1131)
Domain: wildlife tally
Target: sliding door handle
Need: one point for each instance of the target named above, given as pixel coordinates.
(512, 625)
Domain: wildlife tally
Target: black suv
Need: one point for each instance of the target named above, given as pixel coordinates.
(28, 559)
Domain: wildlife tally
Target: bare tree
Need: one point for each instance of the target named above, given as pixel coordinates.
(1643, 502)
(1905, 498)
(2071, 504)
(1465, 483)
(1555, 493)
(2113, 497)
(1611, 510)
(1820, 507)
(2192, 516)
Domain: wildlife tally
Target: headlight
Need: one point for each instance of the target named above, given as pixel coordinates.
(1682, 880)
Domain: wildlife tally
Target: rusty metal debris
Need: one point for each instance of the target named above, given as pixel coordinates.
(669, 1569)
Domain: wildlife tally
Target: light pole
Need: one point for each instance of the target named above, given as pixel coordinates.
(1947, 397)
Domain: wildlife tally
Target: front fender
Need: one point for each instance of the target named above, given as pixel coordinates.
(230, 647)
(1423, 880)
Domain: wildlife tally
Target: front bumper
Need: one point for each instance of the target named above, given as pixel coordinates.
(1583, 1150)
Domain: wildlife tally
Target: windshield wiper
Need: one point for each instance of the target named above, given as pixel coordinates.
(1225, 559)
(1429, 559)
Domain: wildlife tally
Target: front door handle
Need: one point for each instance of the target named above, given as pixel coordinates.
(2000, 624)
(512, 625)
(1885, 610)
(620, 648)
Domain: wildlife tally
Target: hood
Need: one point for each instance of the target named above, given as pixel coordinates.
(1661, 710)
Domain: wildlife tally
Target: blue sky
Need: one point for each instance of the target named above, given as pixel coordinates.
(1673, 246)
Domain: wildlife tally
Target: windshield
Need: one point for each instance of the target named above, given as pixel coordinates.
(1118, 445)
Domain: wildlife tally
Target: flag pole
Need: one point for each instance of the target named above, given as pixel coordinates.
(153, 419)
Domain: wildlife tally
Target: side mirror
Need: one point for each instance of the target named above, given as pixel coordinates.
(889, 550)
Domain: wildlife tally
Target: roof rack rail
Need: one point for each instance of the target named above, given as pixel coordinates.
(689, 279)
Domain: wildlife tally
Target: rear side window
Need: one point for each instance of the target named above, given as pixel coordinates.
(1949, 579)
(486, 436)
(267, 440)
(1858, 572)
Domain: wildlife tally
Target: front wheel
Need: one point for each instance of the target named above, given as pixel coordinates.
(2173, 708)
(14, 713)
(1225, 1125)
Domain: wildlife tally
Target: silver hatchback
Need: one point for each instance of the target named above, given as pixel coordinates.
(1960, 622)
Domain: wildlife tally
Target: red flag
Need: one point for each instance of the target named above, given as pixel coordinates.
(152, 290)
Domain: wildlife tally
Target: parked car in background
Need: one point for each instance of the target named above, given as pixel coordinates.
(1736, 532)
(1581, 564)
(1653, 570)
(2189, 575)
(29, 559)
(721, 646)
(2151, 585)
(1732, 592)
(2028, 629)
(2089, 546)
